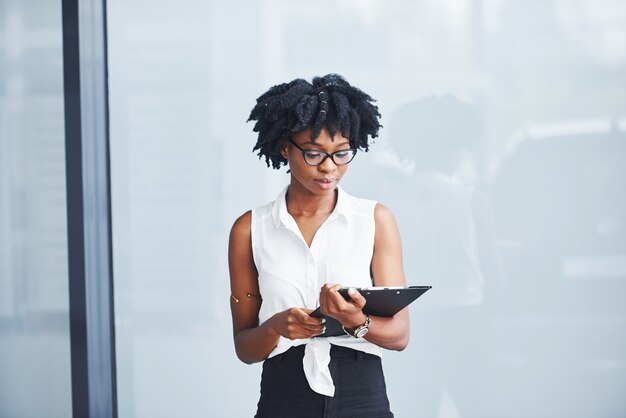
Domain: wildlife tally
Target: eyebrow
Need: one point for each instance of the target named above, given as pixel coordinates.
(311, 142)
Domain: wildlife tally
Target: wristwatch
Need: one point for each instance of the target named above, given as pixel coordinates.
(361, 330)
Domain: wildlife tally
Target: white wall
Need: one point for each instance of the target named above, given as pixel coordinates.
(524, 320)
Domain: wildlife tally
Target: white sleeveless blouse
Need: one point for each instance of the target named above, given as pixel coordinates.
(291, 274)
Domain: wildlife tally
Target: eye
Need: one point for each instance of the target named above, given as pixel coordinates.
(342, 154)
(312, 154)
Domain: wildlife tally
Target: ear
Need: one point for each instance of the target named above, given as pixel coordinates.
(283, 151)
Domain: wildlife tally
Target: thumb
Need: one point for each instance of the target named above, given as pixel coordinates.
(357, 298)
(307, 311)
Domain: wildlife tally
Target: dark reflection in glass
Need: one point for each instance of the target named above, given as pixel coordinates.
(449, 242)
(561, 216)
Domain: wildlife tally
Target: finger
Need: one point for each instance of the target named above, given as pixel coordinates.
(329, 286)
(357, 298)
(322, 331)
(316, 330)
(305, 317)
(312, 319)
(300, 330)
(329, 289)
(312, 327)
(336, 298)
(325, 298)
(309, 331)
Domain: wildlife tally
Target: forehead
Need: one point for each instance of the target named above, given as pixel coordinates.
(324, 138)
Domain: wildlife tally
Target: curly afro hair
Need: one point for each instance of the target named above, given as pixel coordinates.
(329, 102)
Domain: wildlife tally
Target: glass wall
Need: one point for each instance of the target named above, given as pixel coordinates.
(501, 156)
(34, 324)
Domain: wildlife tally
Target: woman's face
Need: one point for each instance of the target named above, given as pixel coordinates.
(321, 179)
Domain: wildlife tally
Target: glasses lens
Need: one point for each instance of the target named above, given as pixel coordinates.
(313, 157)
(344, 157)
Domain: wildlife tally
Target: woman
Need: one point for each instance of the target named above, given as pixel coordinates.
(293, 254)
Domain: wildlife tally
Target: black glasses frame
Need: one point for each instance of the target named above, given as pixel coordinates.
(326, 155)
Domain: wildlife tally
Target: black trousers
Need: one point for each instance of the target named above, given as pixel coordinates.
(360, 390)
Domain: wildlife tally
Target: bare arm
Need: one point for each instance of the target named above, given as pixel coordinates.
(254, 342)
(390, 333)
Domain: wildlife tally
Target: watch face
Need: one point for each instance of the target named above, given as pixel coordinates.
(361, 333)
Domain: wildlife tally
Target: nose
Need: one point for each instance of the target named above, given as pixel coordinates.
(327, 166)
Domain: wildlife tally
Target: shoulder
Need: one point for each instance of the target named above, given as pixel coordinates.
(244, 222)
(383, 215)
(385, 224)
(242, 226)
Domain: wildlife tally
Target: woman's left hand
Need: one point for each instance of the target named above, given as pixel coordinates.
(349, 313)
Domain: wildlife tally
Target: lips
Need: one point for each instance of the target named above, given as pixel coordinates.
(324, 183)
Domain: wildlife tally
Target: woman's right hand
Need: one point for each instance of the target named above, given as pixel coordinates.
(297, 323)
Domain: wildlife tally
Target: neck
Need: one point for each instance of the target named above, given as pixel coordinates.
(304, 203)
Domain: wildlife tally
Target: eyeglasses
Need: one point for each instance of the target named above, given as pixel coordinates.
(315, 157)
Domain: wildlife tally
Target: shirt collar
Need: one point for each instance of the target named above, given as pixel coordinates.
(281, 216)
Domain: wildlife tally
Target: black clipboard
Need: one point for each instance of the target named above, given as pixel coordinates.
(381, 301)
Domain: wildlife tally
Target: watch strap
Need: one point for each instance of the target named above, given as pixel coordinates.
(354, 332)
